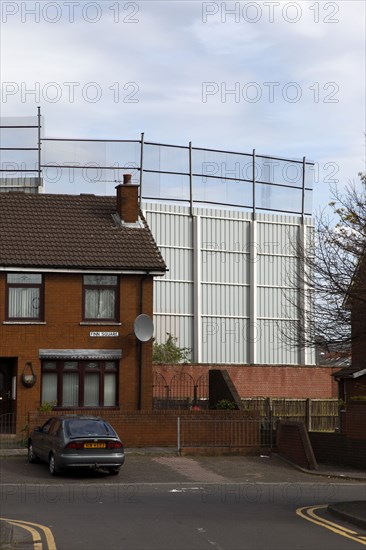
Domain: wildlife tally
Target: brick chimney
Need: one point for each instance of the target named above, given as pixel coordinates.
(127, 200)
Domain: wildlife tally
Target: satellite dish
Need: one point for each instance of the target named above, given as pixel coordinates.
(143, 328)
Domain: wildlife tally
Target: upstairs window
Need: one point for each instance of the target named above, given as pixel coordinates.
(24, 296)
(101, 298)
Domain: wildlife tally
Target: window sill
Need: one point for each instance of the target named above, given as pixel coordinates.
(100, 324)
(105, 408)
(24, 323)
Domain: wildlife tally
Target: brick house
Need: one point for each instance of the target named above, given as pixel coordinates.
(351, 382)
(75, 272)
(349, 446)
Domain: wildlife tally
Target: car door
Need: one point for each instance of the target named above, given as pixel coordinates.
(54, 437)
(40, 440)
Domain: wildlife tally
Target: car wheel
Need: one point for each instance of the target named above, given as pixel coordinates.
(113, 471)
(32, 457)
(52, 465)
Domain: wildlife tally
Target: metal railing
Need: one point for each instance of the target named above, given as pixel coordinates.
(181, 392)
(7, 423)
(205, 431)
(10, 437)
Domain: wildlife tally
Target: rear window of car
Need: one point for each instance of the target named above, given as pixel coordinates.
(77, 427)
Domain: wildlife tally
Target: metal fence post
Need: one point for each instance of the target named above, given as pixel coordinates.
(270, 421)
(308, 415)
(39, 145)
(254, 189)
(178, 435)
(141, 164)
(190, 180)
(303, 189)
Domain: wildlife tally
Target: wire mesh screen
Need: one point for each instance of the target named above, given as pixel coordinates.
(165, 172)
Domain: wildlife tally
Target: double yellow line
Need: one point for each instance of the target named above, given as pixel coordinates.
(308, 513)
(35, 533)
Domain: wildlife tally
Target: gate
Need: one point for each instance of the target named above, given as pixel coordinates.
(7, 423)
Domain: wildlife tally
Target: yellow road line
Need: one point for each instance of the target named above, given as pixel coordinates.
(336, 525)
(37, 542)
(327, 524)
(51, 545)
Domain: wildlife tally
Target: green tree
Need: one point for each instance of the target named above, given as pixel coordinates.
(170, 353)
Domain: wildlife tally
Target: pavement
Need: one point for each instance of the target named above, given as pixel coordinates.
(353, 512)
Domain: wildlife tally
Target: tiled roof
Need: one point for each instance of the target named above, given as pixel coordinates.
(350, 372)
(72, 231)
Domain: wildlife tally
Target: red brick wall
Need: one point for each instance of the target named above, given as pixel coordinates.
(358, 321)
(62, 330)
(267, 381)
(336, 448)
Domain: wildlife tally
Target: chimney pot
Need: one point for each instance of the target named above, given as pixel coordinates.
(127, 179)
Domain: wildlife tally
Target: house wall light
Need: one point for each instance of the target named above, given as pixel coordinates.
(28, 376)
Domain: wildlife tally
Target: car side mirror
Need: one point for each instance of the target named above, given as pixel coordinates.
(38, 429)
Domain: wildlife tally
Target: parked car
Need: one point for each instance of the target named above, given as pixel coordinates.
(74, 441)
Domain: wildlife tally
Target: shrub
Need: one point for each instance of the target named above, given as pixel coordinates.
(169, 353)
(341, 404)
(46, 406)
(225, 404)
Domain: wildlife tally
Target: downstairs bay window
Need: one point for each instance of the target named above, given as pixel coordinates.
(73, 384)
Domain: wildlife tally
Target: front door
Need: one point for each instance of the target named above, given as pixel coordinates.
(7, 399)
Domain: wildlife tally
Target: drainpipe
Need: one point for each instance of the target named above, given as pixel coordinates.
(139, 344)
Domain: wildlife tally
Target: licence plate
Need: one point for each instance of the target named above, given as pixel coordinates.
(94, 445)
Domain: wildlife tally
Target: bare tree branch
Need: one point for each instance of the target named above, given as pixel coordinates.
(328, 267)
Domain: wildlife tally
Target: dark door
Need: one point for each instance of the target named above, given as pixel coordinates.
(7, 403)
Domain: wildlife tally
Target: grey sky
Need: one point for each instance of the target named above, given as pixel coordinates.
(285, 78)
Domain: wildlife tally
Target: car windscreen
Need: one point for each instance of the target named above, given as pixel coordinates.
(84, 428)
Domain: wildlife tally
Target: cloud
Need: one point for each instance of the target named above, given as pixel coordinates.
(149, 75)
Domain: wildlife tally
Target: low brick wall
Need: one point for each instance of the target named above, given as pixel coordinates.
(221, 451)
(338, 449)
(135, 428)
(294, 444)
(348, 448)
(159, 428)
